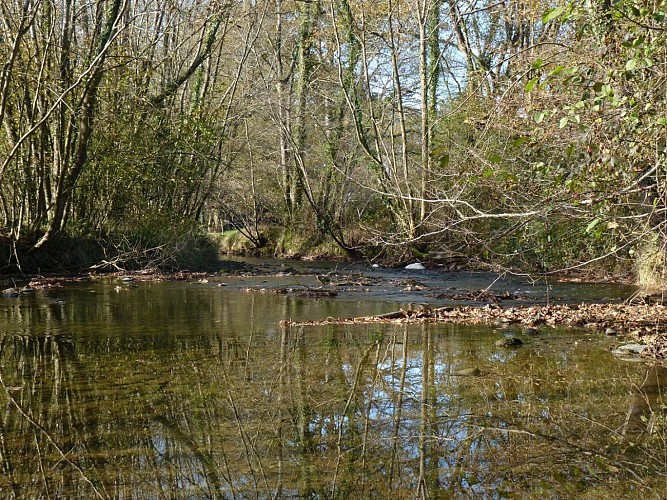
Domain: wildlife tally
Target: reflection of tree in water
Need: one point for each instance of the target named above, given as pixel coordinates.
(648, 405)
(46, 418)
(373, 411)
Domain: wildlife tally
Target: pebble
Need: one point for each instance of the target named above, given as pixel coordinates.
(416, 266)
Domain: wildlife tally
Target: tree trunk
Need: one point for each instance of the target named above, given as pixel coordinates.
(304, 66)
(71, 168)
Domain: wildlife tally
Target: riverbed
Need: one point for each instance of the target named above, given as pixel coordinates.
(192, 389)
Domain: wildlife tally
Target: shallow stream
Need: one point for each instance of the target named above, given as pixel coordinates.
(193, 390)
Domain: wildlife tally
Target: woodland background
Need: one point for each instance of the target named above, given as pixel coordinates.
(521, 134)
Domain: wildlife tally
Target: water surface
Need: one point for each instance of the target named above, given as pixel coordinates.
(193, 390)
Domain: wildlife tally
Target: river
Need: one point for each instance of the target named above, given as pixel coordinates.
(192, 389)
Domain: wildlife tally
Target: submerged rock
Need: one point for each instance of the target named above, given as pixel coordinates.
(611, 332)
(629, 351)
(509, 342)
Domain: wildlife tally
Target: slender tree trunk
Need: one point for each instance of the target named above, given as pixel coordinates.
(71, 170)
(284, 75)
(424, 14)
(304, 66)
(404, 189)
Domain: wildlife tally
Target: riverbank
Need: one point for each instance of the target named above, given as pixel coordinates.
(175, 249)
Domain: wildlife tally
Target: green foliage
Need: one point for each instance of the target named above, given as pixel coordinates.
(545, 149)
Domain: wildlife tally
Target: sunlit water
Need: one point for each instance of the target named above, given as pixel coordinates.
(193, 390)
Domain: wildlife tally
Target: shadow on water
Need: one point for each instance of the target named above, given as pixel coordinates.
(177, 390)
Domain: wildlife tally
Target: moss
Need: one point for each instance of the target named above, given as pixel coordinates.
(279, 242)
(328, 250)
(234, 242)
(231, 241)
(292, 244)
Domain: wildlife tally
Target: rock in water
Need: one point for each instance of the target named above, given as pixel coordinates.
(629, 351)
(509, 342)
(416, 266)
